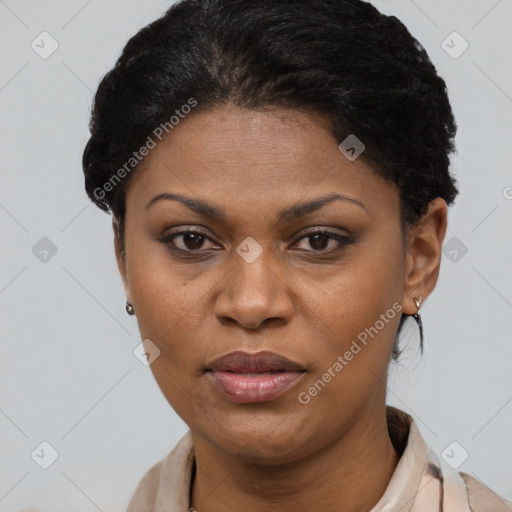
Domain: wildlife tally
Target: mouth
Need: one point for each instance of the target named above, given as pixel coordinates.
(244, 377)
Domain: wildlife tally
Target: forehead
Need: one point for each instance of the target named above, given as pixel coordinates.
(268, 157)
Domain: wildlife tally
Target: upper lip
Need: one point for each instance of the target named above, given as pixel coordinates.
(264, 361)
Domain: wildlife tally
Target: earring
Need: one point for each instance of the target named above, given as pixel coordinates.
(129, 308)
(417, 317)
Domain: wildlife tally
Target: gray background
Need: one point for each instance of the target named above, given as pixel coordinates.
(68, 374)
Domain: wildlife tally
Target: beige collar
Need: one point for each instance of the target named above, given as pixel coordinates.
(420, 482)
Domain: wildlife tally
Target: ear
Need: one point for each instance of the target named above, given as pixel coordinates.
(120, 256)
(423, 258)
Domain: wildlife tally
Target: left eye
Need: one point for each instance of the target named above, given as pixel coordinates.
(325, 241)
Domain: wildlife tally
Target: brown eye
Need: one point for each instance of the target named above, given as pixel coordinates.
(187, 241)
(319, 242)
(324, 241)
(191, 241)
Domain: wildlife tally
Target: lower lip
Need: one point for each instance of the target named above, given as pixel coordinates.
(254, 388)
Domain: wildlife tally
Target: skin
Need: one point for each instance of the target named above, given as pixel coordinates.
(333, 453)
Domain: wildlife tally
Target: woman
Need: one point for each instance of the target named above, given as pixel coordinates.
(278, 176)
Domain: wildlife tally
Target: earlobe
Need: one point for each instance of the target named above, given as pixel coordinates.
(423, 260)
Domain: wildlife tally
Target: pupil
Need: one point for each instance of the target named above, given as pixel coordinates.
(319, 246)
(193, 241)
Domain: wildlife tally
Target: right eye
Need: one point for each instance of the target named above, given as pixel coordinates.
(186, 241)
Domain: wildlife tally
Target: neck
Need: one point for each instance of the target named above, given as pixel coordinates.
(351, 474)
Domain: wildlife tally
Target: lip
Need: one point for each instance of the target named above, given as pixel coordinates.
(244, 377)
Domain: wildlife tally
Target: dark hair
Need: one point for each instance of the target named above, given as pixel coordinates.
(341, 58)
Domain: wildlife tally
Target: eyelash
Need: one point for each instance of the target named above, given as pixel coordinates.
(344, 240)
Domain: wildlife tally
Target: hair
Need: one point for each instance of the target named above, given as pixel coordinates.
(343, 59)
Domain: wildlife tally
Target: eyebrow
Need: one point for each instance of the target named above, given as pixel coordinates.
(286, 214)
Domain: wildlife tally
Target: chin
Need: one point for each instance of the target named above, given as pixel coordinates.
(273, 440)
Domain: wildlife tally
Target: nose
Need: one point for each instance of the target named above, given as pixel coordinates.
(254, 295)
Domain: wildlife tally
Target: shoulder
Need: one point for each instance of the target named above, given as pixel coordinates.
(483, 499)
(454, 491)
(144, 497)
(166, 484)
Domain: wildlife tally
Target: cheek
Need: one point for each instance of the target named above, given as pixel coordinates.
(161, 298)
(356, 311)
(172, 310)
(354, 295)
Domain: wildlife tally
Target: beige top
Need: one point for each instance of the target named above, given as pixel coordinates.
(421, 482)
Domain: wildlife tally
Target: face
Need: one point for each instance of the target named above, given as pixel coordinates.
(247, 266)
